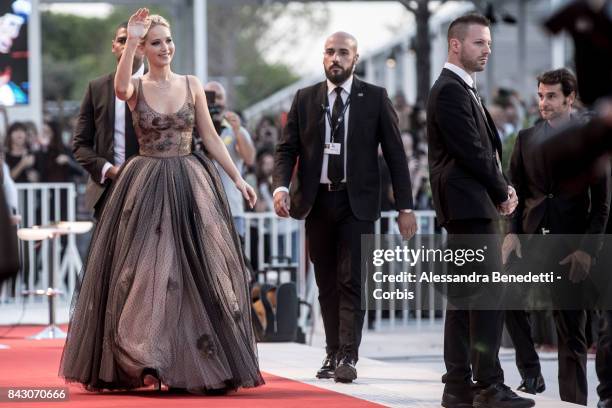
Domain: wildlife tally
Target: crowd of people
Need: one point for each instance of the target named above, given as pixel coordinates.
(510, 111)
(31, 155)
(45, 155)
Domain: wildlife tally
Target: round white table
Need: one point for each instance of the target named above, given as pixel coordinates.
(52, 232)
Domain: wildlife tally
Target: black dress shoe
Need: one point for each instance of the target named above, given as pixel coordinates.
(605, 403)
(456, 400)
(328, 367)
(346, 371)
(532, 385)
(501, 396)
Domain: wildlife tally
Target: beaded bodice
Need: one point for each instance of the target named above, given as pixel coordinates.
(161, 134)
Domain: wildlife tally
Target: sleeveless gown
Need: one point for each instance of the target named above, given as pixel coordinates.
(164, 286)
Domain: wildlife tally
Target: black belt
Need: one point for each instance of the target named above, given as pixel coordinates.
(333, 187)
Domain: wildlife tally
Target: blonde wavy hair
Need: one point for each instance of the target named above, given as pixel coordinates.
(155, 20)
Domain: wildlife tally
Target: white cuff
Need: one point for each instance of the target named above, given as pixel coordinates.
(406, 210)
(278, 189)
(105, 169)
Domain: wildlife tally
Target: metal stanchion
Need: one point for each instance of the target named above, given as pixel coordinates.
(52, 232)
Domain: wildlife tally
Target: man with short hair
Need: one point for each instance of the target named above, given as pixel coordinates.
(335, 128)
(239, 145)
(469, 193)
(104, 136)
(550, 206)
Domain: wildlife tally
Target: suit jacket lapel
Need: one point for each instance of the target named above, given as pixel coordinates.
(488, 121)
(356, 106)
(493, 131)
(484, 114)
(110, 134)
(321, 101)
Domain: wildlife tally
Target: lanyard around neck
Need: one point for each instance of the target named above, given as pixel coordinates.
(334, 129)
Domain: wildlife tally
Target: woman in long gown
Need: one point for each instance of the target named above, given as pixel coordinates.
(164, 291)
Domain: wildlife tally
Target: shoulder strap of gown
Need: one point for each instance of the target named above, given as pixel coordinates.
(189, 95)
(139, 89)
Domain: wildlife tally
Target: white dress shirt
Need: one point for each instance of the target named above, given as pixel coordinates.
(331, 99)
(119, 132)
(467, 78)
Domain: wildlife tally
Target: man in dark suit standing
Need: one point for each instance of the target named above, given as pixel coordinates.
(549, 205)
(469, 193)
(104, 135)
(333, 132)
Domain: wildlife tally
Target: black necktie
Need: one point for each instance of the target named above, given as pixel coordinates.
(131, 143)
(335, 166)
(478, 99)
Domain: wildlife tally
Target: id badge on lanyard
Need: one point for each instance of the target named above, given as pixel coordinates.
(332, 147)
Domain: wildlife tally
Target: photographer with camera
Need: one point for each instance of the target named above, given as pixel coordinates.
(238, 142)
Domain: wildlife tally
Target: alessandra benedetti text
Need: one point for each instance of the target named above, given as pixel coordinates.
(493, 277)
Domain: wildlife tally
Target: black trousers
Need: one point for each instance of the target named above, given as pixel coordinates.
(572, 345)
(334, 241)
(472, 337)
(519, 329)
(603, 359)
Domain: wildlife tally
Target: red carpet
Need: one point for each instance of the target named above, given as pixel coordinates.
(34, 363)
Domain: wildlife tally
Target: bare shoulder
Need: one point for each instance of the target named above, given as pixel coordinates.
(195, 86)
(194, 83)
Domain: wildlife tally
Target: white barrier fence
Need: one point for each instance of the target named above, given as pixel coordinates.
(275, 246)
(43, 204)
(433, 305)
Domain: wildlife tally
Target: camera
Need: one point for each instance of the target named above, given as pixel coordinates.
(213, 108)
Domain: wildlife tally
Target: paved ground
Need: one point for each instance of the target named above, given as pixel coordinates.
(405, 384)
(422, 349)
(399, 367)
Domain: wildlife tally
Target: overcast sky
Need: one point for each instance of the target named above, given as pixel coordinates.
(372, 23)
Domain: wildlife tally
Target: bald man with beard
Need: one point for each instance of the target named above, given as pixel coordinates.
(333, 132)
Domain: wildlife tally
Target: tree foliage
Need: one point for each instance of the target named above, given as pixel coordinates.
(77, 49)
(239, 36)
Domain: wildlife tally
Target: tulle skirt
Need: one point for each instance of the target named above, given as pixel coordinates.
(164, 286)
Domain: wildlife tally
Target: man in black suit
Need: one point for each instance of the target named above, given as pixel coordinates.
(104, 135)
(548, 205)
(469, 192)
(333, 132)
